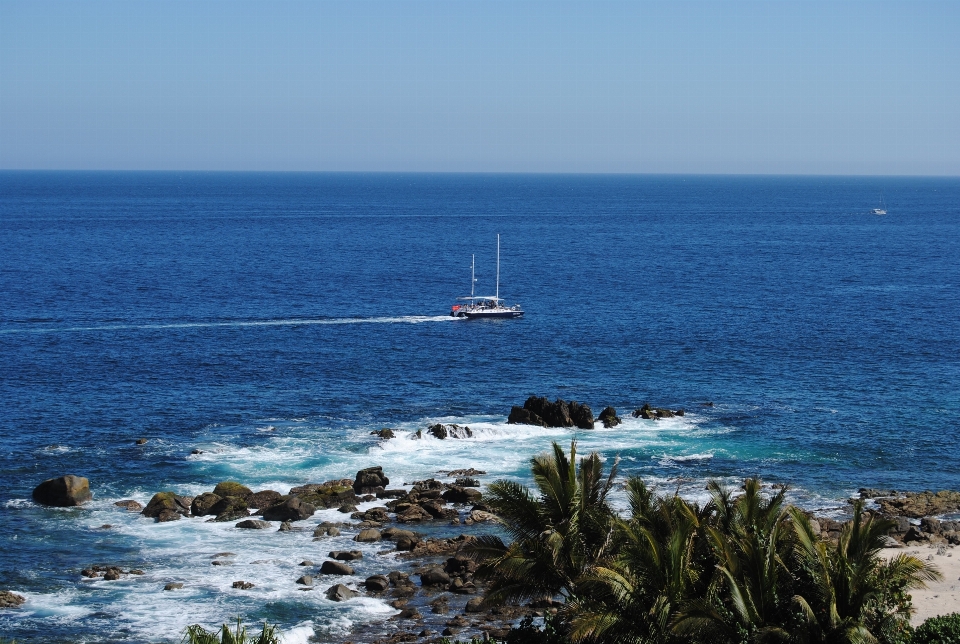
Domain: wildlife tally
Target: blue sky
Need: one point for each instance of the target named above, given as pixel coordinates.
(844, 87)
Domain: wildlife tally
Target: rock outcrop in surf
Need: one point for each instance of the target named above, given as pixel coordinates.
(63, 492)
(537, 410)
(655, 413)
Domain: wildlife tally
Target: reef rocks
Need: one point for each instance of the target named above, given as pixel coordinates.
(385, 434)
(10, 600)
(609, 417)
(63, 492)
(129, 505)
(253, 524)
(443, 432)
(335, 568)
(920, 504)
(540, 411)
(655, 413)
(263, 499)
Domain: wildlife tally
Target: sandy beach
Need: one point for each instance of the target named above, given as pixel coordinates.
(939, 597)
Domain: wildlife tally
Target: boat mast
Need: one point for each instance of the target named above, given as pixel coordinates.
(498, 267)
(473, 279)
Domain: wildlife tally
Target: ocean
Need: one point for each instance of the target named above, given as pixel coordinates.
(272, 321)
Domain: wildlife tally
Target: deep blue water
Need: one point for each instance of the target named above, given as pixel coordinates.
(275, 319)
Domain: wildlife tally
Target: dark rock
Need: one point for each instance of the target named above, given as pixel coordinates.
(173, 586)
(168, 515)
(663, 413)
(141, 441)
(376, 515)
(466, 481)
(340, 593)
(305, 562)
(540, 411)
(10, 600)
(290, 509)
(112, 574)
(346, 555)
(467, 472)
(64, 492)
(409, 613)
(913, 534)
(442, 431)
(232, 488)
(458, 494)
(335, 568)
(129, 505)
(609, 417)
(646, 412)
(679, 412)
(325, 495)
(253, 524)
(384, 434)
(475, 605)
(166, 502)
(197, 451)
(324, 530)
(521, 416)
(391, 494)
(306, 580)
(263, 499)
(368, 536)
(136, 571)
(230, 508)
(347, 508)
(243, 585)
(370, 480)
(377, 583)
(930, 525)
(412, 514)
(434, 576)
(285, 527)
(203, 504)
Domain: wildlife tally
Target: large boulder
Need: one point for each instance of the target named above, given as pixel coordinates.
(253, 524)
(232, 488)
(609, 417)
(345, 555)
(64, 492)
(335, 568)
(540, 411)
(370, 535)
(167, 506)
(290, 509)
(377, 583)
(203, 503)
(434, 576)
(230, 508)
(263, 499)
(370, 481)
(326, 495)
(340, 593)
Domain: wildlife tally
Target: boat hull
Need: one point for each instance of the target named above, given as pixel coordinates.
(493, 315)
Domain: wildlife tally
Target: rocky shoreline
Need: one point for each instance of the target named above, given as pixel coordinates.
(435, 590)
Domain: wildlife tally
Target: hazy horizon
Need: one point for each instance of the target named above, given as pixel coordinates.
(714, 88)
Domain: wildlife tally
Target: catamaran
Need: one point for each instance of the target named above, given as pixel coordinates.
(484, 306)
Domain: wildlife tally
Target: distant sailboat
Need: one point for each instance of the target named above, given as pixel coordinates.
(479, 307)
(882, 210)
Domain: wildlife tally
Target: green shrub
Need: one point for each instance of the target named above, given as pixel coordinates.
(938, 630)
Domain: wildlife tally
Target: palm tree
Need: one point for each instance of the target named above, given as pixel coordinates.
(852, 594)
(657, 566)
(556, 534)
(749, 596)
(196, 634)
